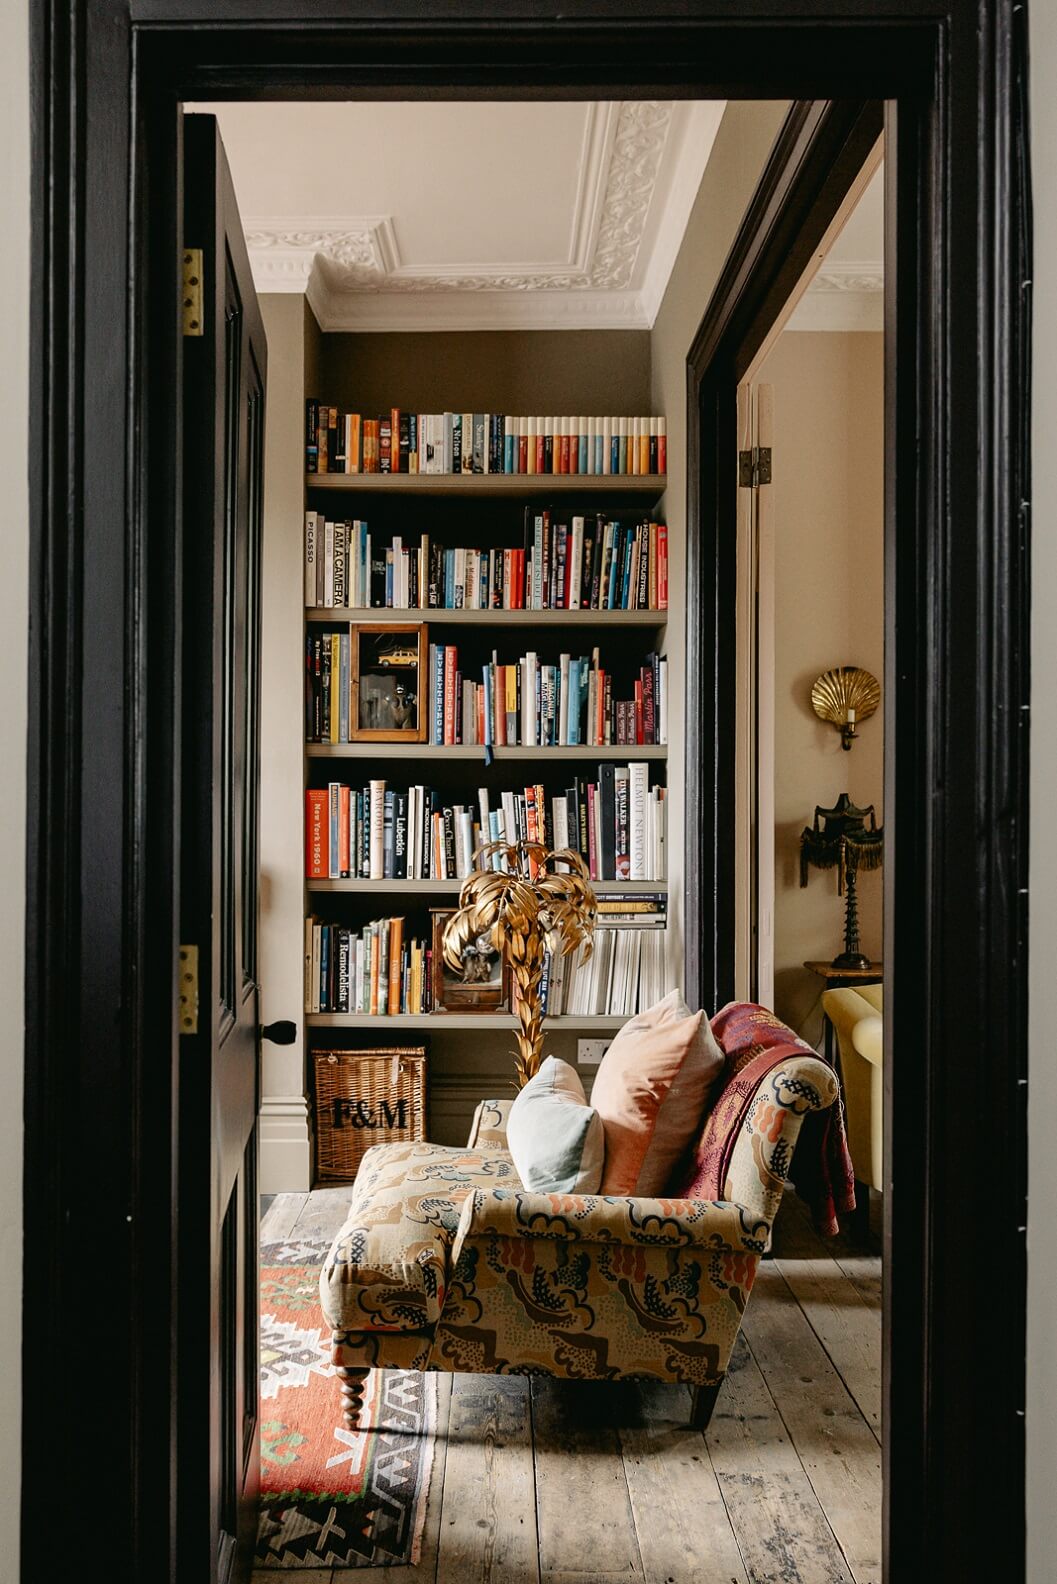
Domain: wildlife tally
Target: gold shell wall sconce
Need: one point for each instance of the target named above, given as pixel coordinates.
(846, 696)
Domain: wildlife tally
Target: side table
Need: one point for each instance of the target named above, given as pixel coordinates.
(842, 978)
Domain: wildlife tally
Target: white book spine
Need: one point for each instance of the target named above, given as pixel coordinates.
(464, 826)
(509, 821)
(639, 791)
(377, 830)
(607, 445)
(311, 551)
(530, 463)
(563, 699)
(578, 557)
(560, 825)
(529, 718)
(328, 564)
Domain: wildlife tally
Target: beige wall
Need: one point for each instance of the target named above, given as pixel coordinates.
(1042, 982)
(14, 389)
(517, 371)
(285, 1155)
(828, 467)
(742, 145)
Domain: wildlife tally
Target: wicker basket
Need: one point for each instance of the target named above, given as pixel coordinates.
(366, 1097)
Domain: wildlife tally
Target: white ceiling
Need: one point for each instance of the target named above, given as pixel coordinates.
(468, 215)
(847, 292)
(495, 215)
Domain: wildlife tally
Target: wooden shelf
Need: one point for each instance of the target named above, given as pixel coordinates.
(533, 486)
(611, 752)
(491, 618)
(456, 1020)
(607, 888)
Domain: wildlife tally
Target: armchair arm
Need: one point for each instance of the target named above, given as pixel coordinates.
(760, 1161)
(596, 1218)
(488, 1129)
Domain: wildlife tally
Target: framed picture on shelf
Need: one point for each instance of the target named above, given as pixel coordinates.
(484, 983)
(389, 686)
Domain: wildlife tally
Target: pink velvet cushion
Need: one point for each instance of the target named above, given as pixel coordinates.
(651, 1091)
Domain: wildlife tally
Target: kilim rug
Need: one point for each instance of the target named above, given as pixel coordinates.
(331, 1497)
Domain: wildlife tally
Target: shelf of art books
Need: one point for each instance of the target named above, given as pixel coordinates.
(454, 1020)
(442, 751)
(494, 618)
(401, 886)
(533, 486)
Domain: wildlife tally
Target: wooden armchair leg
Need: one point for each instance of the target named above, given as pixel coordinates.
(703, 1402)
(353, 1391)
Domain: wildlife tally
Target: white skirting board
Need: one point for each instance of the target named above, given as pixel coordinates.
(285, 1145)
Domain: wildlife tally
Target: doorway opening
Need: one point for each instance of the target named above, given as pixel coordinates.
(923, 195)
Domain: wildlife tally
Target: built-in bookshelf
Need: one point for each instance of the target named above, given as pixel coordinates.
(618, 637)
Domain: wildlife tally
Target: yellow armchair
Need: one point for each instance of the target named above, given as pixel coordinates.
(857, 1017)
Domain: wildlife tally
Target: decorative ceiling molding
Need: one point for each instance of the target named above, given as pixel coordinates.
(845, 294)
(619, 259)
(690, 139)
(849, 275)
(522, 309)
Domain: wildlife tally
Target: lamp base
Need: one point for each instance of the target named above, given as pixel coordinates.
(850, 959)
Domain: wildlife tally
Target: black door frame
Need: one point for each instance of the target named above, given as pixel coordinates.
(109, 76)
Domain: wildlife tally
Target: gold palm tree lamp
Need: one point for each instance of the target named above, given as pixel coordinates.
(528, 907)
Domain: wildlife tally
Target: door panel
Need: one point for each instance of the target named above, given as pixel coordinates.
(224, 391)
(754, 709)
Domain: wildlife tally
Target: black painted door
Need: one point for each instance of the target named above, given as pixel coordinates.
(222, 441)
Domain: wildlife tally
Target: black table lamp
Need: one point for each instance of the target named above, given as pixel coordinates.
(843, 841)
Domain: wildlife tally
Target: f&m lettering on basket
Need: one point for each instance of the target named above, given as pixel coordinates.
(361, 1114)
(366, 1097)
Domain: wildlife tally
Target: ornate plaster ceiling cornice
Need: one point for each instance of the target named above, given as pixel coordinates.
(354, 276)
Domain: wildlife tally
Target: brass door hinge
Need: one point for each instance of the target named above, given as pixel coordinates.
(188, 987)
(754, 467)
(191, 294)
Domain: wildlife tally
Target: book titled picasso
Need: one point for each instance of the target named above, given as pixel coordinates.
(398, 441)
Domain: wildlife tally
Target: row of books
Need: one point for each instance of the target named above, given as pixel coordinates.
(397, 441)
(534, 704)
(583, 562)
(627, 970)
(374, 970)
(618, 823)
(377, 971)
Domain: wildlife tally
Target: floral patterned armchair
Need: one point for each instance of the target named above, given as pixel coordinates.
(446, 1262)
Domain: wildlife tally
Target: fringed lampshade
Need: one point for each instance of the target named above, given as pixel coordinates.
(841, 839)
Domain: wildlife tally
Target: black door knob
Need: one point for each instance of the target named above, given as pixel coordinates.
(283, 1033)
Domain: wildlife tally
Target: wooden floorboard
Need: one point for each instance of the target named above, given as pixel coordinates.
(280, 1217)
(680, 1516)
(324, 1212)
(583, 1506)
(555, 1482)
(778, 1523)
(837, 1449)
(488, 1521)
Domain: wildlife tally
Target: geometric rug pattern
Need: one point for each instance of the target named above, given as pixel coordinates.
(331, 1497)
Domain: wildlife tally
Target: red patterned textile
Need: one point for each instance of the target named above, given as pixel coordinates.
(755, 1043)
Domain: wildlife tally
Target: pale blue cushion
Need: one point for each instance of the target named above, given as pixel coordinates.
(554, 1136)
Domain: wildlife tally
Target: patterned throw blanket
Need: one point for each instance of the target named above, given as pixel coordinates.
(755, 1042)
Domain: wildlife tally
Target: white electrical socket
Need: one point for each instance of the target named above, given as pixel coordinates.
(589, 1052)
